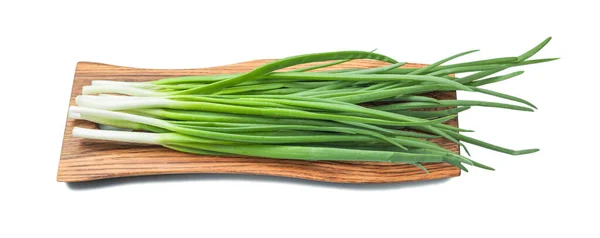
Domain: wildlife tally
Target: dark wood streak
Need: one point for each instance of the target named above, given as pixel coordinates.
(85, 160)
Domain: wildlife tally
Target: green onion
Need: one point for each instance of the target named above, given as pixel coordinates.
(376, 114)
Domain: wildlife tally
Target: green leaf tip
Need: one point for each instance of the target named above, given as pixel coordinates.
(534, 50)
(420, 167)
(457, 164)
(464, 148)
(483, 166)
(524, 152)
(517, 73)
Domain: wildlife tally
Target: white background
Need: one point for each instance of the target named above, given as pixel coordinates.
(548, 193)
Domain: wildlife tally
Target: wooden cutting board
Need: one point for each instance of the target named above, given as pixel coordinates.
(85, 160)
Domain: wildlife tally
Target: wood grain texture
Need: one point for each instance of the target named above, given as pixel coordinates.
(85, 160)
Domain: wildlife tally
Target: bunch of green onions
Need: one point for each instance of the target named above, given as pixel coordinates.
(305, 115)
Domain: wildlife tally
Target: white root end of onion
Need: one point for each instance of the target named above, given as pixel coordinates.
(130, 84)
(73, 115)
(112, 128)
(119, 89)
(118, 103)
(121, 136)
(119, 116)
(122, 97)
